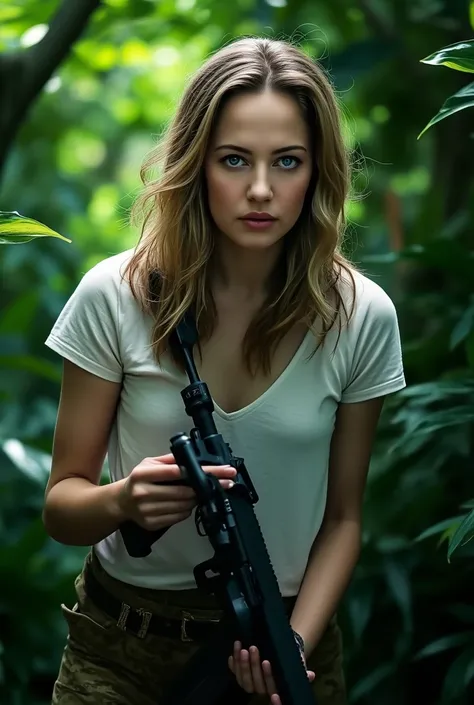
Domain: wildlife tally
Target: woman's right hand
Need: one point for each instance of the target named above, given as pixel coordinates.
(154, 506)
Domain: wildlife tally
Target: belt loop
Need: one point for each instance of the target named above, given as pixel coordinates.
(146, 617)
(123, 616)
(186, 617)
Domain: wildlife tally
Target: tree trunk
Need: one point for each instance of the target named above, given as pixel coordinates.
(24, 74)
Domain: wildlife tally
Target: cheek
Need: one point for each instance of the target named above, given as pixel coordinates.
(221, 192)
(293, 195)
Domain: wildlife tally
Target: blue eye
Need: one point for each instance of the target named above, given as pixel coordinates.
(294, 159)
(232, 156)
(233, 159)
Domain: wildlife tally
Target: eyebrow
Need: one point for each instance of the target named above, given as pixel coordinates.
(248, 151)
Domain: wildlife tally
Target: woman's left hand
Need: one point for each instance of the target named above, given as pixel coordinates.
(255, 676)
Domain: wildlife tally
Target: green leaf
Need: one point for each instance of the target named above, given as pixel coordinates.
(459, 101)
(463, 534)
(446, 642)
(33, 463)
(462, 328)
(438, 528)
(455, 56)
(459, 676)
(16, 229)
(365, 686)
(398, 583)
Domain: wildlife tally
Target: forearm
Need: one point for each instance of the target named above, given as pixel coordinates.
(330, 566)
(79, 513)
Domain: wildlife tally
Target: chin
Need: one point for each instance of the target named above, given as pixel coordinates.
(255, 240)
(259, 242)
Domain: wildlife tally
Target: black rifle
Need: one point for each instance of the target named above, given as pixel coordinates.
(240, 574)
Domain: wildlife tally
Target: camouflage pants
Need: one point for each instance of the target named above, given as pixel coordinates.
(104, 665)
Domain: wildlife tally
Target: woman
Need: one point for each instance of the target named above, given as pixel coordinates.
(297, 347)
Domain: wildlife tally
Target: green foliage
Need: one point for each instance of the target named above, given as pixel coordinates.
(16, 229)
(463, 533)
(36, 575)
(459, 101)
(407, 618)
(460, 57)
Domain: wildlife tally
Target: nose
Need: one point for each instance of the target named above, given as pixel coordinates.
(259, 188)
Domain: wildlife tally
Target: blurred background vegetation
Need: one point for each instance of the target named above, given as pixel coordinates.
(85, 88)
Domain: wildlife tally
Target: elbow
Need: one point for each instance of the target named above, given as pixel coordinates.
(53, 524)
(50, 524)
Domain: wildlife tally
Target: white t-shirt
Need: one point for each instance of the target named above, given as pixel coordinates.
(284, 436)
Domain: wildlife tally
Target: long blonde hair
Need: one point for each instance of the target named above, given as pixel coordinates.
(169, 270)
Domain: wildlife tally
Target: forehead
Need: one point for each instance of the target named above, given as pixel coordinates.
(261, 119)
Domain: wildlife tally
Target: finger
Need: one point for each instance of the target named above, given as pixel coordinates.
(151, 471)
(257, 673)
(246, 672)
(275, 699)
(217, 470)
(153, 523)
(223, 471)
(158, 509)
(226, 484)
(237, 664)
(163, 493)
(166, 458)
(269, 680)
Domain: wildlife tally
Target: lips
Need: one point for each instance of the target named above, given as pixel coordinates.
(258, 216)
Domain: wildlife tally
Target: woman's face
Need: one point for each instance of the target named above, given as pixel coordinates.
(258, 161)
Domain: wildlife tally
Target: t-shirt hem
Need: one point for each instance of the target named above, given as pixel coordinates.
(78, 359)
(174, 581)
(379, 390)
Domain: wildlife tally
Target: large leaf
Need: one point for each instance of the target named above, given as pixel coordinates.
(456, 56)
(458, 677)
(463, 327)
(459, 101)
(33, 463)
(463, 534)
(451, 641)
(439, 528)
(16, 229)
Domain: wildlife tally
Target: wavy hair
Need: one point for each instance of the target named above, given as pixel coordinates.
(169, 269)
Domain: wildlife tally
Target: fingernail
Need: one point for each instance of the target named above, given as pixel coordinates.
(230, 484)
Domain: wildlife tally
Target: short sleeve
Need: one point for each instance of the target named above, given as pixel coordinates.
(376, 368)
(86, 331)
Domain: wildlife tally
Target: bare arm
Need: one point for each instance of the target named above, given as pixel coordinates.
(336, 550)
(80, 512)
(77, 510)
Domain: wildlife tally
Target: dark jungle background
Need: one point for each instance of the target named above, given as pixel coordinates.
(85, 88)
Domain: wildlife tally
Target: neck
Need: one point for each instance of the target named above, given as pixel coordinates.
(243, 274)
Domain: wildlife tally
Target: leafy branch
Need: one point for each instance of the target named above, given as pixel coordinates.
(459, 57)
(24, 74)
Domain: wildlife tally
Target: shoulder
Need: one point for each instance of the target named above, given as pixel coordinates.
(368, 302)
(108, 274)
(104, 285)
